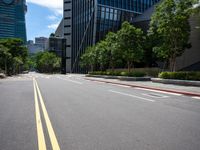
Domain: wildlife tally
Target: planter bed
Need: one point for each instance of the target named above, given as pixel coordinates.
(123, 78)
(176, 82)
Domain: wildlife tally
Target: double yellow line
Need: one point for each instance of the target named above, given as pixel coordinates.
(40, 133)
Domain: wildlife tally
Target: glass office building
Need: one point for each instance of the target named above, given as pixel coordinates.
(87, 22)
(12, 19)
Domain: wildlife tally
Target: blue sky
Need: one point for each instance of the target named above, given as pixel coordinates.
(42, 17)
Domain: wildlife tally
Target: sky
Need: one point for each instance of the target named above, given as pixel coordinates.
(43, 17)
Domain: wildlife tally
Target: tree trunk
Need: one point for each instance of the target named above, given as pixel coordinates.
(173, 64)
(6, 68)
(129, 66)
(112, 66)
(92, 68)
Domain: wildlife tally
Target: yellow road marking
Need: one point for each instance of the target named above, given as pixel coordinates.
(40, 133)
(53, 139)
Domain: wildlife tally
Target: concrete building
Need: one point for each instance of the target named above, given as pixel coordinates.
(60, 30)
(34, 48)
(12, 19)
(56, 45)
(42, 41)
(87, 22)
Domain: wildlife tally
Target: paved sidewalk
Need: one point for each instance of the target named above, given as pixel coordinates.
(151, 85)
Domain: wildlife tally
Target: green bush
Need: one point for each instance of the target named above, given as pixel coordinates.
(137, 74)
(180, 75)
(152, 72)
(119, 73)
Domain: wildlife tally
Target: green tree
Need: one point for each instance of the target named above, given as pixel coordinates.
(47, 62)
(114, 52)
(130, 42)
(18, 54)
(89, 59)
(4, 57)
(170, 25)
(102, 52)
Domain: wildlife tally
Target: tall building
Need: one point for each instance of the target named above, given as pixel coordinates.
(34, 48)
(12, 19)
(60, 30)
(42, 42)
(87, 22)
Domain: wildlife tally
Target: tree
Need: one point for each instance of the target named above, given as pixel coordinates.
(130, 42)
(47, 62)
(4, 57)
(113, 50)
(170, 25)
(18, 54)
(102, 52)
(90, 58)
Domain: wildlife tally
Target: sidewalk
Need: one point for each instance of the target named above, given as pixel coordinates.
(185, 90)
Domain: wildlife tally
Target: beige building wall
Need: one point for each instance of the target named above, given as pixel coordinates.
(192, 55)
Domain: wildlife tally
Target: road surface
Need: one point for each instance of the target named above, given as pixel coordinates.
(67, 112)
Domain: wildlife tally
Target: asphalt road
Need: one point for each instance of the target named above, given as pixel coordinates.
(57, 112)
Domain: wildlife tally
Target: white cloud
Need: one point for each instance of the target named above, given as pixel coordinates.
(55, 5)
(52, 17)
(53, 26)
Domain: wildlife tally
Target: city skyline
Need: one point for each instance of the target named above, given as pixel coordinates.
(43, 17)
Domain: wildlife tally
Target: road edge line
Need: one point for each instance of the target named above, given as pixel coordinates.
(151, 88)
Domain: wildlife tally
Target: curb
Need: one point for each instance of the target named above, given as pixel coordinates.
(176, 82)
(150, 88)
(123, 78)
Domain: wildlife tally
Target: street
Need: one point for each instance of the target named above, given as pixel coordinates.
(68, 112)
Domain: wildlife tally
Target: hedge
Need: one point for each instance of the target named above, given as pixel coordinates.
(180, 75)
(119, 73)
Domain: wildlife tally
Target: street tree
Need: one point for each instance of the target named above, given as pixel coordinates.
(102, 51)
(170, 25)
(113, 50)
(4, 57)
(130, 41)
(17, 55)
(90, 58)
(47, 62)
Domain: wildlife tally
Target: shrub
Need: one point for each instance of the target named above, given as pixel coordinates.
(152, 72)
(119, 73)
(180, 75)
(137, 74)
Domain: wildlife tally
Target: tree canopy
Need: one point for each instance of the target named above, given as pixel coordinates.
(13, 55)
(125, 45)
(170, 26)
(47, 62)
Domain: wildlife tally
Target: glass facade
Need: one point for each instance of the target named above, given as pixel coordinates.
(93, 19)
(82, 29)
(12, 19)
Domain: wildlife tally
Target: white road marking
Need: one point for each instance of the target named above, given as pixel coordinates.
(70, 80)
(176, 94)
(196, 97)
(126, 94)
(126, 86)
(156, 95)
